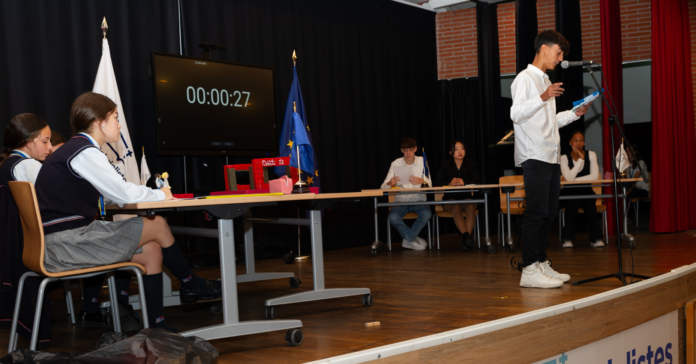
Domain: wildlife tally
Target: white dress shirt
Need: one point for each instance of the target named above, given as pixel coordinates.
(570, 175)
(93, 165)
(418, 171)
(27, 169)
(633, 171)
(536, 122)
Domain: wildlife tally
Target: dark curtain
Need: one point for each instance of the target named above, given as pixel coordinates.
(492, 118)
(460, 118)
(612, 81)
(568, 24)
(368, 71)
(526, 29)
(673, 179)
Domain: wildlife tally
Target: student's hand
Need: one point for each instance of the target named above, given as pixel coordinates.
(577, 154)
(167, 194)
(553, 91)
(582, 110)
(394, 181)
(416, 181)
(457, 182)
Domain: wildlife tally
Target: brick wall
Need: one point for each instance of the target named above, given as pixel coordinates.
(456, 34)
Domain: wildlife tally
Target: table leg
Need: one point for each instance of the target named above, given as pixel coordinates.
(489, 247)
(250, 259)
(376, 245)
(228, 271)
(319, 292)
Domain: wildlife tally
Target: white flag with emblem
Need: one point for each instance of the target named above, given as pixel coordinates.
(120, 154)
(622, 159)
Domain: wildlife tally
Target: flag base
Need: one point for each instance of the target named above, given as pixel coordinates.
(300, 187)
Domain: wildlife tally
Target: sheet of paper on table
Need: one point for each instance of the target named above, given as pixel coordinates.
(404, 173)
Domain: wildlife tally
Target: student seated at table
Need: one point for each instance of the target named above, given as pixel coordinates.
(57, 140)
(459, 171)
(416, 180)
(27, 141)
(72, 188)
(580, 165)
(638, 189)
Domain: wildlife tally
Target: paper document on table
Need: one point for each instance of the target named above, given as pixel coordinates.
(404, 173)
(585, 101)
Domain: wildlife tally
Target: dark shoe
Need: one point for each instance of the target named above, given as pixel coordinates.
(213, 290)
(130, 321)
(468, 242)
(90, 320)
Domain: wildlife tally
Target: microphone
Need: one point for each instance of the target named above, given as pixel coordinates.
(566, 64)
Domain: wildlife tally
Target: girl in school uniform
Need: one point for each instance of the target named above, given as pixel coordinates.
(459, 171)
(27, 141)
(72, 188)
(580, 165)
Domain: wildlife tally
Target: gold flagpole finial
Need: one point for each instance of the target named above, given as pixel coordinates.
(143, 150)
(294, 107)
(104, 27)
(294, 58)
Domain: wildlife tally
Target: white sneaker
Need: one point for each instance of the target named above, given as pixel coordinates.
(567, 244)
(411, 245)
(597, 244)
(421, 241)
(534, 277)
(546, 268)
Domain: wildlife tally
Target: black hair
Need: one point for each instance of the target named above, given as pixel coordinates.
(551, 37)
(577, 131)
(57, 138)
(466, 164)
(22, 129)
(87, 108)
(408, 142)
(637, 157)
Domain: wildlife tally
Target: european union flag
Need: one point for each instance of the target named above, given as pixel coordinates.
(426, 172)
(302, 145)
(311, 176)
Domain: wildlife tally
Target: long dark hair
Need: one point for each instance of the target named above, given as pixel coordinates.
(22, 129)
(87, 108)
(466, 164)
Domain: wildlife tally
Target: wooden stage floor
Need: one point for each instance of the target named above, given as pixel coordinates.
(416, 293)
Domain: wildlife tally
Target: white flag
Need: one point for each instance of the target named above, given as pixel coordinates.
(622, 159)
(120, 154)
(144, 170)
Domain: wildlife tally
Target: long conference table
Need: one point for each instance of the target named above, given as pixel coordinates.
(226, 210)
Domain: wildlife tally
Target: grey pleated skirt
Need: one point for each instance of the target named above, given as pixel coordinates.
(99, 243)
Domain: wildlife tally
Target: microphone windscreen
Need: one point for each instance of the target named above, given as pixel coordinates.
(565, 64)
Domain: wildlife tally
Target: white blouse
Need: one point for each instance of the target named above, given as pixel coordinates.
(570, 175)
(27, 169)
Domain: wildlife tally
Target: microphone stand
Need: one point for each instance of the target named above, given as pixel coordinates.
(613, 122)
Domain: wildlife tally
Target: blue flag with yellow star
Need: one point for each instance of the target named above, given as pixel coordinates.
(302, 145)
(286, 135)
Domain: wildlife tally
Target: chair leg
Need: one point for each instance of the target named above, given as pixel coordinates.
(388, 233)
(114, 302)
(478, 231)
(437, 227)
(606, 227)
(499, 225)
(37, 314)
(15, 315)
(636, 208)
(430, 242)
(69, 301)
(141, 291)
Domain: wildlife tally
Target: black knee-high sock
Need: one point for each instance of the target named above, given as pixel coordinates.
(175, 262)
(90, 290)
(123, 280)
(154, 299)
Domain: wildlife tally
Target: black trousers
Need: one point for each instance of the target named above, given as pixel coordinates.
(571, 218)
(542, 185)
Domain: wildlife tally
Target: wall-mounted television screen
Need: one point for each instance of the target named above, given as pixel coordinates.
(211, 107)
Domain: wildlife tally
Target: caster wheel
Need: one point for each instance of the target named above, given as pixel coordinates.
(271, 314)
(367, 300)
(294, 282)
(374, 252)
(294, 337)
(516, 263)
(288, 258)
(216, 308)
(512, 248)
(632, 245)
(491, 249)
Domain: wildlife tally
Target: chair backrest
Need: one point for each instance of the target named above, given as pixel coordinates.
(438, 197)
(34, 244)
(518, 192)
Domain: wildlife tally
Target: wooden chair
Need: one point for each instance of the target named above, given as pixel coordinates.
(642, 199)
(33, 258)
(408, 216)
(516, 208)
(441, 212)
(601, 207)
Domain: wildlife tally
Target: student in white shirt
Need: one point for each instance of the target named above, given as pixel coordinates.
(580, 165)
(537, 140)
(27, 141)
(416, 180)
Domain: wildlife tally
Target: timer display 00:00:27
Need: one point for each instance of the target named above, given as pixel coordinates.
(217, 97)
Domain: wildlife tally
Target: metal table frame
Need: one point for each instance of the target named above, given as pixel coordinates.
(510, 189)
(377, 245)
